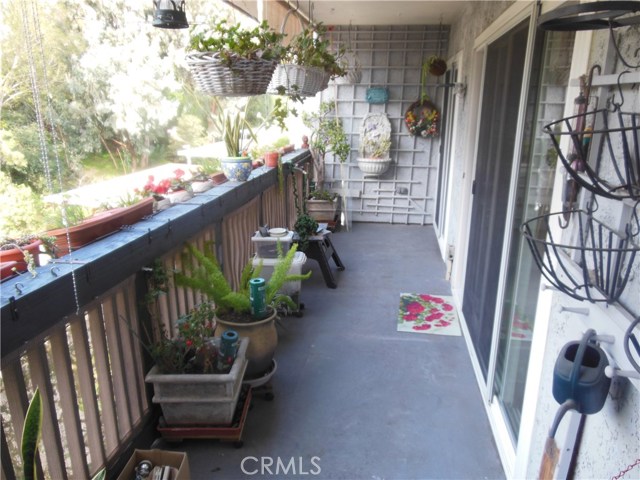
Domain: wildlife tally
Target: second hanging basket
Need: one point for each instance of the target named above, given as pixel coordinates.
(297, 79)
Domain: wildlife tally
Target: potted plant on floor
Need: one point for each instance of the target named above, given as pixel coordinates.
(196, 380)
(234, 307)
(327, 137)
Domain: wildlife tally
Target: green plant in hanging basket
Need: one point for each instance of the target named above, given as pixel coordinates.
(309, 48)
(235, 41)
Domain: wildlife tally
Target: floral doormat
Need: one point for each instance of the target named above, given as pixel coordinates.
(428, 314)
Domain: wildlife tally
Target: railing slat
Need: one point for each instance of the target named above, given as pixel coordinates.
(273, 211)
(61, 364)
(136, 348)
(51, 439)
(118, 369)
(128, 357)
(103, 380)
(236, 241)
(86, 381)
(8, 472)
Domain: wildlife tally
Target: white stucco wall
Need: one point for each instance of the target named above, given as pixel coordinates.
(477, 17)
(611, 438)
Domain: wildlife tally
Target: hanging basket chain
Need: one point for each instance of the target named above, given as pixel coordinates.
(30, 39)
(36, 94)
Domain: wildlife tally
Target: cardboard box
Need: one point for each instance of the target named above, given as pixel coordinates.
(176, 460)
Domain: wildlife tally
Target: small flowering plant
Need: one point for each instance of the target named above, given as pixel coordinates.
(192, 349)
(421, 119)
(232, 41)
(165, 186)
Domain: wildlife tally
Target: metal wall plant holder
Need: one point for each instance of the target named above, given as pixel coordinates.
(603, 256)
(602, 155)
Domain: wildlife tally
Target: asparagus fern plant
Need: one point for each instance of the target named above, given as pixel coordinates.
(203, 273)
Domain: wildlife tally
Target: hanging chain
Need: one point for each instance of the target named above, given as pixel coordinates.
(626, 470)
(36, 94)
(29, 39)
(45, 79)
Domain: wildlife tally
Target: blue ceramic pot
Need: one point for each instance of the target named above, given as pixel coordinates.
(237, 168)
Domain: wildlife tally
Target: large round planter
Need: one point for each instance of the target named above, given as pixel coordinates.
(199, 399)
(237, 169)
(16, 255)
(263, 340)
(373, 166)
(99, 226)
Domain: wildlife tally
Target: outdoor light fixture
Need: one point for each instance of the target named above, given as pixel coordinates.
(169, 14)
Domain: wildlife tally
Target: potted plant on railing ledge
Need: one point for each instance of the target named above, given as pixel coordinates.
(22, 254)
(238, 135)
(327, 137)
(74, 226)
(229, 60)
(234, 310)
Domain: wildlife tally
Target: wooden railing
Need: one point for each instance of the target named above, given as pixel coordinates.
(75, 332)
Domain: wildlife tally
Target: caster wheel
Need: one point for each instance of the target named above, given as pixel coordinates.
(299, 314)
(340, 269)
(238, 444)
(301, 307)
(269, 396)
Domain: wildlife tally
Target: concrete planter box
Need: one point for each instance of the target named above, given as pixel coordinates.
(199, 399)
(322, 210)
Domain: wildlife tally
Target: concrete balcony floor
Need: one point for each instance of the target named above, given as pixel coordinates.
(367, 401)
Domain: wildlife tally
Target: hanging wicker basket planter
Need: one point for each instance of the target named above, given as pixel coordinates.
(241, 77)
(297, 79)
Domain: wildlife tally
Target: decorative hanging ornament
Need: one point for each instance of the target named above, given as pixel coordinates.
(422, 116)
(169, 14)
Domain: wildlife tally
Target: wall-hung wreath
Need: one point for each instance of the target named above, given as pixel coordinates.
(421, 118)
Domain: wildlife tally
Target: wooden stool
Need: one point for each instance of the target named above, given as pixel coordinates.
(320, 249)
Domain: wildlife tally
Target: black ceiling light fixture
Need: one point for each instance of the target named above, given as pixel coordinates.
(169, 14)
(591, 16)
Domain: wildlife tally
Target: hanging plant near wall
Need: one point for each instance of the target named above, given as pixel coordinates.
(422, 116)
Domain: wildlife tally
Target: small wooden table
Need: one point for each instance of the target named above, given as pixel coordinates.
(321, 249)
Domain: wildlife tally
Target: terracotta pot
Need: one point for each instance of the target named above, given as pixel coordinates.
(263, 340)
(271, 159)
(6, 269)
(219, 178)
(17, 255)
(99, 226)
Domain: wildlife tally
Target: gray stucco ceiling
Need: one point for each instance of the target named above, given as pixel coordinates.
(367, 12)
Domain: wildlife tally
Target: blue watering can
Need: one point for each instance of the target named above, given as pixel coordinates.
(579, 375)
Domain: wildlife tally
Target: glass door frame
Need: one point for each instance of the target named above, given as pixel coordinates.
(508, 20)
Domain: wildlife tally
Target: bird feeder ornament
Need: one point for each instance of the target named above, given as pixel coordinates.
(169, 14)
